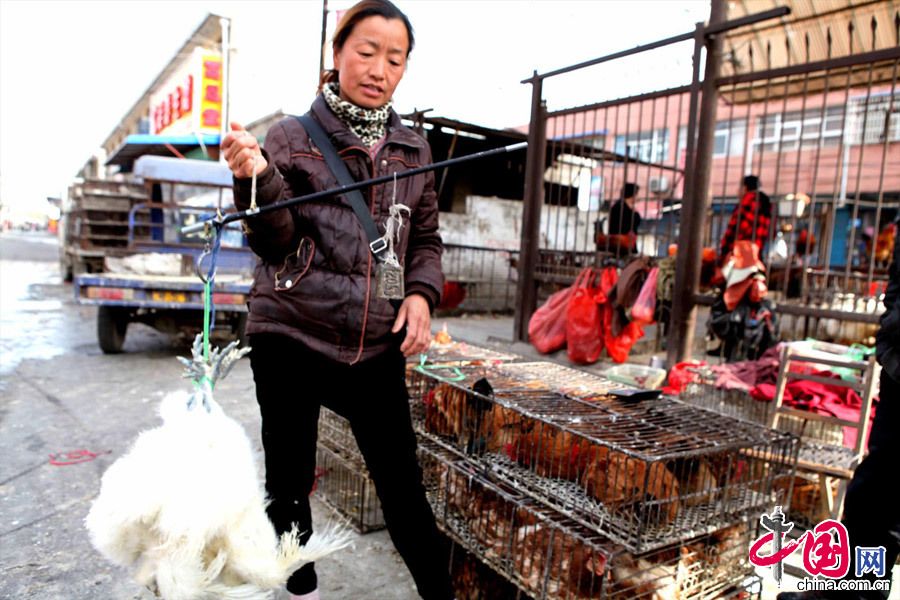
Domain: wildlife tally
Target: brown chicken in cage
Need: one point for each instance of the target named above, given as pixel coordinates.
(460, 415)
(696, 480)
(489, 518)
(609, 476)
(444, 410)
(472, 580)
(619, 481)
(570, 568)
(552, 452)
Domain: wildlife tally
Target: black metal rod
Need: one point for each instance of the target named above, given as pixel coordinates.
(675, 39)
(621, 54)
(682, 89)
(343, 189)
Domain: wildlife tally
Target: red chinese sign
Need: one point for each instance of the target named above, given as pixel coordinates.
(826, 549)
(192, 100)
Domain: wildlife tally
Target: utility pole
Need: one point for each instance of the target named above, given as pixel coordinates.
(322, 45)
(225, 24)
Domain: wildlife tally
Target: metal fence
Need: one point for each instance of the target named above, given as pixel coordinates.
(479, 279)
(808, 103)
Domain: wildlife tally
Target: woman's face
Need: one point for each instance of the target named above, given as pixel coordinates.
(372, 61)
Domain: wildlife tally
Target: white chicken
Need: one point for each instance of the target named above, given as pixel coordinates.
(185, 507)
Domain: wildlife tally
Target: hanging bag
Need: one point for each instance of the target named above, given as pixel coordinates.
(645, 306)
(547, 326)
(583, 324)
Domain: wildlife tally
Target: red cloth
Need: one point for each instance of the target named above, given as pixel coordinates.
(831, 400)
(746, 374)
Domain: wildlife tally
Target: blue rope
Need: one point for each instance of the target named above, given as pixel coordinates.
(211, 274)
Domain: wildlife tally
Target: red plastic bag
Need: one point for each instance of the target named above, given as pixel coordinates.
(584, 337)
(618, 347)
(547, 326)
(680, 375)
(645, 306)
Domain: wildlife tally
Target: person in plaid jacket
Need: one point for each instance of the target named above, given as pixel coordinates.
(750, 220)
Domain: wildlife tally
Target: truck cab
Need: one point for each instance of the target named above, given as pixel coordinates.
(153, 275)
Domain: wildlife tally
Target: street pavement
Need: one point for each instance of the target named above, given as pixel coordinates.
(67, 411)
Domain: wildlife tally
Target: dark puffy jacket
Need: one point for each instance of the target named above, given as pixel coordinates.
(315, 280)
(887, 341)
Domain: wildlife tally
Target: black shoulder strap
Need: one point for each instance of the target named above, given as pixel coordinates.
(337, 166)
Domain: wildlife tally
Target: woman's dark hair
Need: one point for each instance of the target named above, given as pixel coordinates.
(358, 12)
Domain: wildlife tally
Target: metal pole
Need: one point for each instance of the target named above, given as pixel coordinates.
(225, 24)
(693, 212)
(526, 292)
(343, 189)
(322, 45)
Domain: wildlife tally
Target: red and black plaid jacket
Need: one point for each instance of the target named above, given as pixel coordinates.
(749, 221)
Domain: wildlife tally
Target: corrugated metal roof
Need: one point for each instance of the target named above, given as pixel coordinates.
(814, 31)
(786, 38)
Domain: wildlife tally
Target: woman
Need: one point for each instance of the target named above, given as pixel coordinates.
(320, 334)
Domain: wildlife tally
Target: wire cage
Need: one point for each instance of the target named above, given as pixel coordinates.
(514, 377)
(474, 580)
(741, 405)
(730, 402)
(550, 556)
(343, 483)
(645, 474)
(809, 503)
(336, 434)
(558, 378)
(461, 353)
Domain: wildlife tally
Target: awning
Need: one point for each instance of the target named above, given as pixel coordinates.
(138, 145)
(183, 170)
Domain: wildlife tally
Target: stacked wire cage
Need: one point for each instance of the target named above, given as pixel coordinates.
(549, 556)
(637, 479)
(342, 480)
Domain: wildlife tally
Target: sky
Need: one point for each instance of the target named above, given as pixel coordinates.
(69, 71)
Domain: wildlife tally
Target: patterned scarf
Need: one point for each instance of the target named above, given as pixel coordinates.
(369, 124)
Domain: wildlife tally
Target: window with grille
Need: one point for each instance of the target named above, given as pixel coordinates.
(647, 146)
(875, 118)
(729, 138)
(789, 131)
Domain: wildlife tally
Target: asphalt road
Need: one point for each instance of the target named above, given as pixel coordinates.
(61, 397)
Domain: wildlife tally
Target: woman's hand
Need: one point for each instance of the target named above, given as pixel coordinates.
(241, 151)
(414, 313)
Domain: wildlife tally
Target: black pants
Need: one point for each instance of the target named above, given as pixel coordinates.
(871, 509)
(291, 383)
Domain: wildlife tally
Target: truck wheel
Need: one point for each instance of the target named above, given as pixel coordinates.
(65, 269)
(112, 324)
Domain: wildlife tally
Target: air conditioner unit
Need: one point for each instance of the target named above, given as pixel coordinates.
(659, 184)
